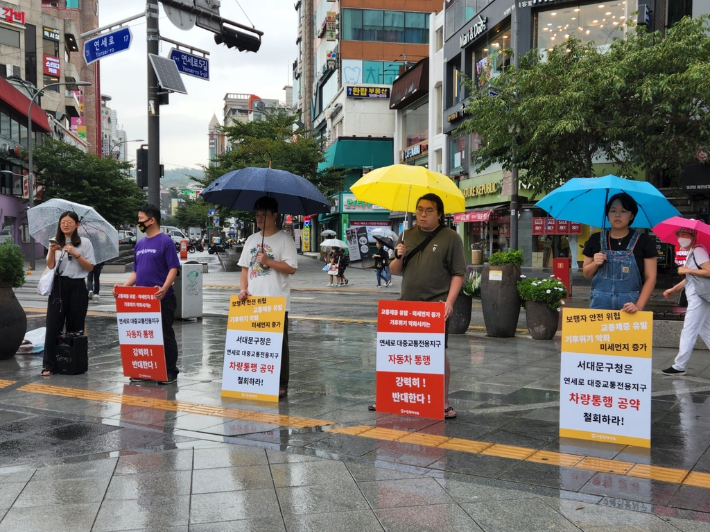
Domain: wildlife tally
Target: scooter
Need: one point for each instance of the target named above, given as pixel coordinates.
(216, 248)
(195, 245)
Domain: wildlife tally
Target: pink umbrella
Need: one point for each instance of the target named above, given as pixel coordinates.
(666, 230)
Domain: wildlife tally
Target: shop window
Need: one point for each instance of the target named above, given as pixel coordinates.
(491, 59)
(6, 233)
(457, 154)
(597, 23)
(415, 124)
(394, 26)
(10, 37)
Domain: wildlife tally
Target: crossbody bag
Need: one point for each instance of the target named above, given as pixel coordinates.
(420, 247)
(701, 284)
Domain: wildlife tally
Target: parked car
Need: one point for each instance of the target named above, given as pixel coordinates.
(6, 234)
(127, 237)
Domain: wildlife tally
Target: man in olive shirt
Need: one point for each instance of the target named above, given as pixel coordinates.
(436, 272)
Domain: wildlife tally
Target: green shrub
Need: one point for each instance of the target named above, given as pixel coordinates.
(12, 265)
(513, 256)
(549, 290)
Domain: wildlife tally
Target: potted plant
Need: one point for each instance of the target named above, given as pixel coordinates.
(471, 289)
(542, 298)
(13, 320)
(499, 293)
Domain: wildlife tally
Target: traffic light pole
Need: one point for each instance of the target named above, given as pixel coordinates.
(152, 13)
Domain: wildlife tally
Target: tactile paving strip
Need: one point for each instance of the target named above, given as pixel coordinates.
(5, 384)
(177, 406)
(630, 469)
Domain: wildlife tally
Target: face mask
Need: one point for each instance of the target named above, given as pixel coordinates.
(684, 242)
(141, 226)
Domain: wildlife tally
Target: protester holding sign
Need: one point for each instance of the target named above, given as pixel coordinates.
(268, 261)
(431, 260)
(156, 265)
(621, 262)
(697, 317)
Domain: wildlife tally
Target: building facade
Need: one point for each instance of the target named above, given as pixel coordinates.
(216, 140)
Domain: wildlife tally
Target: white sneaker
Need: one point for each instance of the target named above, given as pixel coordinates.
(96, 296)
(91, 295)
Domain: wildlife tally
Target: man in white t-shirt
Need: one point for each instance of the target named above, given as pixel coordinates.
(268, 261)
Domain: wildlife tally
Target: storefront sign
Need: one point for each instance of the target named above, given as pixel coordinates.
(12, 16)
(549, 226)
(306, 236)
(605, 376)
(368, 92)
(531, 3)
(476, 216)
(252, 351)
(51, 34)
(479, 26)
(414, 151)
(52, 66)
(352, 204)
(480, 190)
(455, 116)
(330, 26)
(410, 358)
(140, 333)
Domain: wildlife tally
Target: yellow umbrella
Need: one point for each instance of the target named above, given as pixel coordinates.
(398, 187)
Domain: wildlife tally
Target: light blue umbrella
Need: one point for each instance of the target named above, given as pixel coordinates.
(583, 200)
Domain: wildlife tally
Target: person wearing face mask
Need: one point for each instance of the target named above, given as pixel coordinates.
(620, 261)
(697, 317)
(156, 265)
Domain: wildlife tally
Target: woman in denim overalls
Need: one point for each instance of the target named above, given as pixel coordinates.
(616, 280)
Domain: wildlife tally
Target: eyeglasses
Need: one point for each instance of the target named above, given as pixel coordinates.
(425, 212)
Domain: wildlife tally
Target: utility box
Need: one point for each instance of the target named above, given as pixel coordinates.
(188, 291)
(561, 269)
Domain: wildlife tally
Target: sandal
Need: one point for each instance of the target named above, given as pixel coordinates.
(372, 408)
(449, 413)
(47, 373)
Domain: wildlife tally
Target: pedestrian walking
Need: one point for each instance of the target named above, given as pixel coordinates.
(381, 257)
(268, 261)
(431, 260)
(156, 264)
(621, 262)
(332, 266)
(68, 303)
(697, 317)
(343, 262)
(92, 281)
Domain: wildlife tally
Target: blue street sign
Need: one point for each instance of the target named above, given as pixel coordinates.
(210, 213)
(192, 65)
(216, 220)
(107, 44)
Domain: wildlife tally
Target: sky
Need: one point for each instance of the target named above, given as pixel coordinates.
(184, 122)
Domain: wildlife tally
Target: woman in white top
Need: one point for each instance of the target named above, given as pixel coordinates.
(74, 258)
(697, 317)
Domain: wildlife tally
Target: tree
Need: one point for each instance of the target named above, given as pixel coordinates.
(193, 213)
(641, 103)
(66, 172)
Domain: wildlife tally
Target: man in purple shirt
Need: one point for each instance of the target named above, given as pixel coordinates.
(156, 264)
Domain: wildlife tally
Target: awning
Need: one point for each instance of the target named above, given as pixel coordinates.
(358, 153)
(21, 103)
(411, 85)
(476, 215)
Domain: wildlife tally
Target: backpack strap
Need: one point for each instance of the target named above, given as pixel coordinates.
(420, 247)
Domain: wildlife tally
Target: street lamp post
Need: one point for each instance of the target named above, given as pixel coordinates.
(30, 177)
(117, 144)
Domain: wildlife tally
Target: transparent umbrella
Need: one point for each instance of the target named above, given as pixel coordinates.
(44, 218)
(385, 232)
(328, 232)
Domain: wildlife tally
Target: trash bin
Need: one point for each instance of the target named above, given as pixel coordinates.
(188, 291)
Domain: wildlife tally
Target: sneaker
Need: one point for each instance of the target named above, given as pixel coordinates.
(172, 377)
(329, 284)
(673, 371)
(91, 295)
(136, 379)
(389, 283)
(96, 296)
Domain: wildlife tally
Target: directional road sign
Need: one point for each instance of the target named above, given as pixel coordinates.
(107, 44)
(192, 65)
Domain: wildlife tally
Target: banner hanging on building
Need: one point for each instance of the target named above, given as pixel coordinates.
(410, 358)
(252, 352)
(605, 376)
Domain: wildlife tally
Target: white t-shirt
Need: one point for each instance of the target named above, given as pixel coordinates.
(70, 267)
(700, 257)
(279, 247)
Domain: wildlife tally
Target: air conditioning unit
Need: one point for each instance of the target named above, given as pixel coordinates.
(14, 70)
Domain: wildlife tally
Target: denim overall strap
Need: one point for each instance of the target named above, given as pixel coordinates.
(617, 281)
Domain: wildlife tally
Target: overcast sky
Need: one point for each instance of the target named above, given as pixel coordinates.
(184, 122)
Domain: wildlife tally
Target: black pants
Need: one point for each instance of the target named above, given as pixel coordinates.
(167, 315)
(92, 280)
(66, 307)
(283, 377)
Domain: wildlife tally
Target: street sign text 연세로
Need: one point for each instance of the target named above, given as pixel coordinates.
(107, 44)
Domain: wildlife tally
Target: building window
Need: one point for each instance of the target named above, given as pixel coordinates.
(597, 23)
(415, 124)
(439, 110)
(439, 39)
(385, 26)
(679, 9)
(49, 80)
(5, 124)
(373, 72)
(489, 60)
(457, 154)
(23, 135)
(15, 130)
(10, 37)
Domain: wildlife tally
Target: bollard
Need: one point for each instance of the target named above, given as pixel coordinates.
(183, 249)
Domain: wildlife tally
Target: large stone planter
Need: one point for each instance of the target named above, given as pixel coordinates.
(542, 320)
(500, 300)
(13, 322)
(460, 319)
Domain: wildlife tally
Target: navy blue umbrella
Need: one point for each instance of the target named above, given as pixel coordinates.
(240, 189)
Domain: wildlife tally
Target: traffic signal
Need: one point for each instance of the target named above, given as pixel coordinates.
(142, 167)
(242, 41)
(644, 16)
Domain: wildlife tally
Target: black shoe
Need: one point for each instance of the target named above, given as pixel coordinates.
(172, 377)
(673, 371)
(136, 379)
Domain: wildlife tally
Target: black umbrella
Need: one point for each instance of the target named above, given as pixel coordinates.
(240, 189)
(387, 242)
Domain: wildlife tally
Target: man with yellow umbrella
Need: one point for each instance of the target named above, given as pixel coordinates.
(429, 256)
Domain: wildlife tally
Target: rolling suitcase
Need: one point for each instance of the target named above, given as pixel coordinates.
(72, 354)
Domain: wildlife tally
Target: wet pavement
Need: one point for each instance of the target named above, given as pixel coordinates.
(94, 452)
